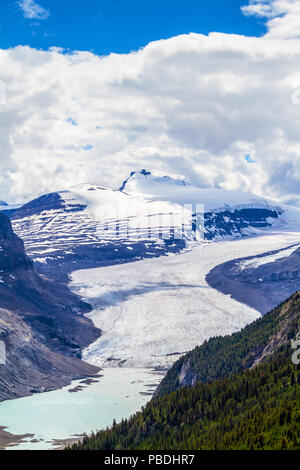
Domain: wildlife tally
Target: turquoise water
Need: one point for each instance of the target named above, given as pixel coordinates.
(62, 415)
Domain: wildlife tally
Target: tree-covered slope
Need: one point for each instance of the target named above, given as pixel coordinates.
(248, 396)
(255, 409)
(219, 357)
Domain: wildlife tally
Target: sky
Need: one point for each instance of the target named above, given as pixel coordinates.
(207, 91)
(103, 26)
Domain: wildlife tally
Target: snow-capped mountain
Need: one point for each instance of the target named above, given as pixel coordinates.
(225, 213)
(134, 304)
(147, 216)
(3, 204)
(90, 225)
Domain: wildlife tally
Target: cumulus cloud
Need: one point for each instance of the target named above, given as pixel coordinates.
(283, 16)
(33, 10)
(192, 105)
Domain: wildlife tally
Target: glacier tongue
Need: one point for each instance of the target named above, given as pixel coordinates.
(152, 311)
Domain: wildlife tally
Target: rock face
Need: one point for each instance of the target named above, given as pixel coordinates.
(41, 325)
(12, 254)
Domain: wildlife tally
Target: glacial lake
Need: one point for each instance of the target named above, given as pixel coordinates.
(61, 415)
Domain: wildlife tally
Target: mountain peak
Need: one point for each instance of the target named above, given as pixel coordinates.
(134, 175)
(140, 180)
(3, 204)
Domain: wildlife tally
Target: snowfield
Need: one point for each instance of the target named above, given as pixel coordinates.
(153, 310)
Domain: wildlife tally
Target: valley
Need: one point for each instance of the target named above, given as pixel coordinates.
(119, 293)
(132, 298)
(149, 228)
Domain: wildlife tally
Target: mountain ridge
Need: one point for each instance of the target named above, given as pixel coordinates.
(71, 228)
(41, 324)
(261, 282)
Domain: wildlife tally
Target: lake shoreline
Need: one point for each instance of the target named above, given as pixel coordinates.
(29, 424)
(9, 440)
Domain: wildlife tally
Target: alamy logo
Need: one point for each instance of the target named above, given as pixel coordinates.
(159, 222)
(296, 355)
(2, 353)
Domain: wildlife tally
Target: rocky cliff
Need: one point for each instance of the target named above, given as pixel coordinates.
(41, 325)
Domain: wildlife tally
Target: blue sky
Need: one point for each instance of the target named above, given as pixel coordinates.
(121, 26)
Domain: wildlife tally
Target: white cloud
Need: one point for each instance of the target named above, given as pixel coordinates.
(283, 16)
(33, 10)
(193, 105)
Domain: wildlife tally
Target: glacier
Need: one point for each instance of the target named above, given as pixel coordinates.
(154, 310)
(140, 255)
(148, 292)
